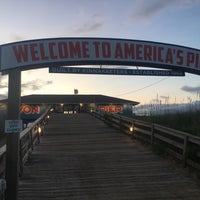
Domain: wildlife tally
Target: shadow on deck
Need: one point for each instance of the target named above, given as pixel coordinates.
(81, 158)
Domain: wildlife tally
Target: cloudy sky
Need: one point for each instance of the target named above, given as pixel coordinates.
(171, 21)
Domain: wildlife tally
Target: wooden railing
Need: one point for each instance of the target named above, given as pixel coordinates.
(183, 146)
(28, 138)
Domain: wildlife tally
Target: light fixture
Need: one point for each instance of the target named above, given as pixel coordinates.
(39, 129)
(132, 129)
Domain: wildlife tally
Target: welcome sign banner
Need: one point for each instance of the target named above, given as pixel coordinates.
(97, 51)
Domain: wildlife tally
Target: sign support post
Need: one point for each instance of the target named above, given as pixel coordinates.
(12, 144)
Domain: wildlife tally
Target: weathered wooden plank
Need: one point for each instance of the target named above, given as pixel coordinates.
(80, 157)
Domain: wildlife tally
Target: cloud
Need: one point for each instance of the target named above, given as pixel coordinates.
(92, 25)
(15, 37)
(3, 85)
(146, 10)
(188, 3)
(89, 27)
(3, 96)
(191, 89)
(34, 85)
(3, 82)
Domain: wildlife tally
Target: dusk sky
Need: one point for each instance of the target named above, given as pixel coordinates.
(167, 21)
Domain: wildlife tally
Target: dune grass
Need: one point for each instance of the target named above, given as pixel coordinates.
(187, 121)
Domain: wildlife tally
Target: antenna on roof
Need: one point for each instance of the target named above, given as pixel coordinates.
(75, 91)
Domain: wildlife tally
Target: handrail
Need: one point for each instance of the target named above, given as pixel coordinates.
(28, 138)
(181, 145)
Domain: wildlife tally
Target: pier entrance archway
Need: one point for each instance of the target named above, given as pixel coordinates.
(53, 52)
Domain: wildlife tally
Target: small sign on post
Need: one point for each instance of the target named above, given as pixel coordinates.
(13, 126)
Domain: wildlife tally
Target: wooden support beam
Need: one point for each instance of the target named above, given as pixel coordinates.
(12, 144)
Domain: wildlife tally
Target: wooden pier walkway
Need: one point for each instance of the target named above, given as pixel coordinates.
(81, 158)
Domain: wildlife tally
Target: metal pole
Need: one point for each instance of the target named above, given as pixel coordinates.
(12, 143)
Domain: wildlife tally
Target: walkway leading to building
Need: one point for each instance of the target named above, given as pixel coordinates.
(81, 158)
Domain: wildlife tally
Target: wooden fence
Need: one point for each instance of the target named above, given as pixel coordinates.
(183, 146)
(28, 138)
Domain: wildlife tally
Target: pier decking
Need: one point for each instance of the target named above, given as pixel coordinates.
(81, 158)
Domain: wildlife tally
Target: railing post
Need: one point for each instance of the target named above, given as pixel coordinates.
(105, 117)
(31, 139)
(132, 129)
(20, 159)
(185, 150)
(152, 133)
(37, 133)
(120, 123)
